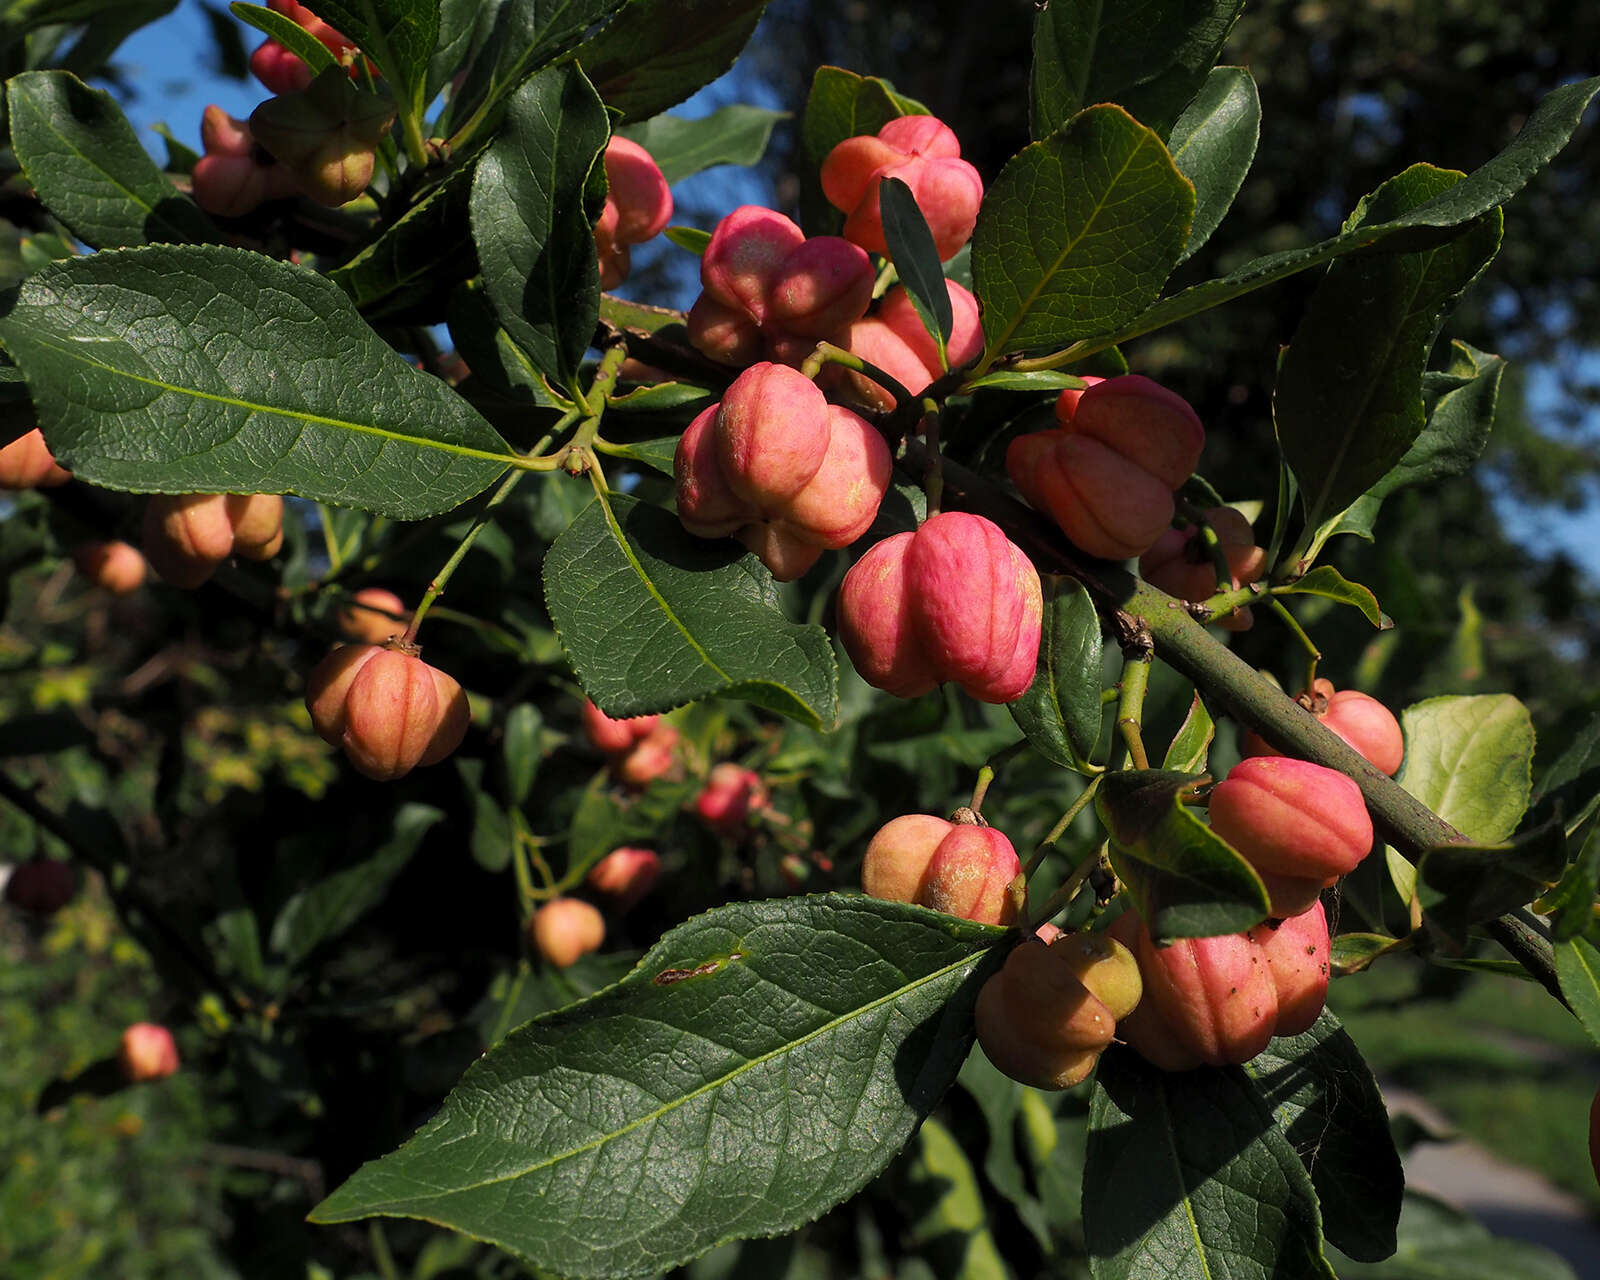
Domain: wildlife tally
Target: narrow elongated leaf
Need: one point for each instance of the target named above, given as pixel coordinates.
(534, 203)
(459, 24)
(529, 34)
(735, 134)
(399, 35)
(202, 368)
(287, 32)
(952, 1232)
(1078, 233)
(1578, 969)
(81, 154)
(1348, 399)
(1061, 711)
(653, 617)
(635, 1130)
(1149, 58)
(1330, 584)
(1571, 903)
(1325, 1101)
(659, 52)
(1192, 743)
(1470, 760)
(1186, 881)
(1189, 1178)
(409, 270)
(916, 260)
(1213, 145)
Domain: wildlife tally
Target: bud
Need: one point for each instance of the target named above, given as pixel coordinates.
(372, 616)
(565, 929)
(147, 1052)
(624, 876)
(41, 886)
(389, 711)
(26, 463)
(116, 566)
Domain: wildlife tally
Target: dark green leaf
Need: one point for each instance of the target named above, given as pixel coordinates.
(604, 822)
(459, 22)
(527, 35)
(1463, 884)
(1192, 743)
(916, 260)
(1348, 399)
(735, 134)
(1078, 233)
(330, 906)
(841, 105)
(1469, 759)
(205, 368)
(634, 1131)
(951, 1230)
(399, 35)
(409, 270)
(287, 32)
(1189, 1178)
(1330, 584)
(1149, 58)
(1573, 762)
(1186, 881)
(1041, 380)
(1060, 713)
(521, 750)
(659, 52)
(80, 153)
(1213, 145)
(1578, 969)
(653, 617)
(533, 211)
(1325, 1101)
(1353, 952)
(1571, 903)
(1438, 1240)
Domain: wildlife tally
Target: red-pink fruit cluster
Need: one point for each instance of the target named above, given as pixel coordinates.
(285, 72)
(956, 600)
(1301, 826)
(564, 929)
(1214, 1001)
(389, 711)
(1179, 563)
(638, 207)
(923, 153)
(40, 886)
(146, 1052)
(187, 536)
(959, 868)
(1106, 475)
(778, 467)
(1366, 725)
(767, 291)
(26, 463)
(624, 876)
(895, 340)
(373, 615)
(235, 175)
(732, 793)
(1045, 1018)
(116, 566)
(641, 748)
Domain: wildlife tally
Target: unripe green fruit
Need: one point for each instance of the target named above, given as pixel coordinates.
(565, 929)
(388, 710)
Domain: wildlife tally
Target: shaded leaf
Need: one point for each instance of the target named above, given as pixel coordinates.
(399, 35)
(287, 32)
(1437, 1240)
(409, 270)
(1578, 970)
(656, 53)
(916, 260)
(1060, 713)
(1463, 884)
(1213, 145)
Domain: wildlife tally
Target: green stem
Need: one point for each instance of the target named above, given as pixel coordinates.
(1065, 892)
(1130, 706)
(1062, 824)
(381, 1257)
(437, 586)
(1313, 654)
(827, 353)
(1212, 543)
(331, 543)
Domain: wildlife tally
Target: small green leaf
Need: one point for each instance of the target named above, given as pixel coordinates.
(1330, 584)
(520, 750)
(398, 35)
(841, 105)
(1462, 884)
(242, 374)
(1040, 380)
(1353, 952)
(1149, 58)
(1327, 1104)
(1439, 1240)
(735, 134)
(1186, 881)
(533, 211)
(287, 32)
(691, 238)
(1578, 970)
(659, 52)
(655, 454)
(1469, 759)
(1060, 713)
(634, 1131)
(1192, 743)
(916, 260)
(1213, 145)
(1078, 233)
(1571, 903)
(653, 617)
(84, 161)
(1188, 1177)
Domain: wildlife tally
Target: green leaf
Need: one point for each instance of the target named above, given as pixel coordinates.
(634, 1131)
(1060, 713)
(1330, 584)
(691, 238)
(1186, 881)
(951, 1231)
(330, 906)
(601, 824)
(653, 617)
(916, 260)
(841, 105)
(408, 271)
(287, 32)
(1548, 129)
(1192, 743)
(1348, 399)
(657, 454)
(1469, 759)
(241, 374)
(1039, 380)
(1354, 952)
(1149, 58)
(1213, 145)
(659, 52)
(1578, 970)
(1078, 233)
(521, 750)
(459, 23)
(399, 35)
(1438, 1240)
(82, 157)
(1571, 903)
(1189, 1178)
(533, 211)
(735, 134)
(1462, 884)
(1325, 1101)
